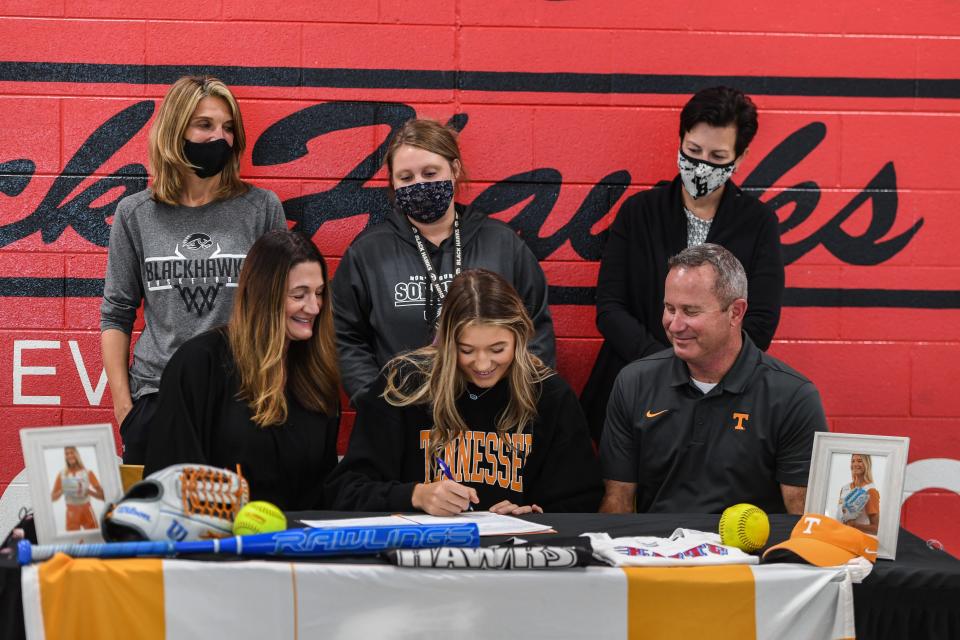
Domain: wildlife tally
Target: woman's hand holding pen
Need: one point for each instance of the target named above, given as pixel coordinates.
(443, 498)
(507, 508)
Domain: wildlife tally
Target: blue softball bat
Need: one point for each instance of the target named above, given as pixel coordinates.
(307, 543)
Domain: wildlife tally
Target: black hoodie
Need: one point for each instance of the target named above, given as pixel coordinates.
(381, 292)
(551, 464)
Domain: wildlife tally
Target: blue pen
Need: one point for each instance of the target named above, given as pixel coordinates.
(446, 471)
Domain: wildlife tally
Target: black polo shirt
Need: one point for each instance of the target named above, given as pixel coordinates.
(691, 452)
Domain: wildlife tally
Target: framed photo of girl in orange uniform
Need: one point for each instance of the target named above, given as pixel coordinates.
(73, 474)
(858, 480)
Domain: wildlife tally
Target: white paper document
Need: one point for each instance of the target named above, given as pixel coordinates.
(489, 524)
(374, 521)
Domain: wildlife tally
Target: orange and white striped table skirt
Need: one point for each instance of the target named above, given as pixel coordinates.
(182, 599)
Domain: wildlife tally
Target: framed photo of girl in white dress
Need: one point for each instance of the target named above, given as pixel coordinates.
(858, 480)
(73, 474)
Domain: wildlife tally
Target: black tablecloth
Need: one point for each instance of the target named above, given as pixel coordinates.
(916, 596)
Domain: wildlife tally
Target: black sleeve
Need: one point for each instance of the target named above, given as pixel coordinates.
(317, 493)
(531, 284)
(189, 388)
(765, 286)
(804, 417)
(622, 330)
(368, 477)
(355, 337)
(619, 454)
(569, 480)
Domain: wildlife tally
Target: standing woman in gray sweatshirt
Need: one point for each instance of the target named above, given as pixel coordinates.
(177, 247)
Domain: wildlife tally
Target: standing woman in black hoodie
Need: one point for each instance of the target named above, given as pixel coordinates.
(472, 419)
(392, 280)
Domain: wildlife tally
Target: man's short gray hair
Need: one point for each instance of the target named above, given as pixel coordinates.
(731, 282)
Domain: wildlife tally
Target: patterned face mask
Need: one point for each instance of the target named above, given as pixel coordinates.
(701, 178)
(425, 202)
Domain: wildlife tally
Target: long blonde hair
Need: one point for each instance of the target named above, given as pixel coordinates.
(168, 164)
(265, 363)
(431, 375)
(867, 466)
(76, 457)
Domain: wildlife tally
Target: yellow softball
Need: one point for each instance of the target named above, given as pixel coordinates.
(259, 517)
(745, 527)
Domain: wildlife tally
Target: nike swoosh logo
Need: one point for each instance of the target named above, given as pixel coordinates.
(651, 414)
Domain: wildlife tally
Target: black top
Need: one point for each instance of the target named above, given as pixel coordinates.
(551, 464)
(650, 228)
(199, 419)
(381, 290)
(691, 452)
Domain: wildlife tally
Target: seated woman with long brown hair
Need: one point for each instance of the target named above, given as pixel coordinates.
(473, 419)
(260, 392)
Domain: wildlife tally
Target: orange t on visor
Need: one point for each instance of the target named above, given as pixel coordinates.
(824, 542)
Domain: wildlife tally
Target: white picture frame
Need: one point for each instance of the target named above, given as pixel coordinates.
(831, 483)
(69, 498)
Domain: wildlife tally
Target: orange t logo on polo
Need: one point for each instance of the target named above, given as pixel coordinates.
(740, 418)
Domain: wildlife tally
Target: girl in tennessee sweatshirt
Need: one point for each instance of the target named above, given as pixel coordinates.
(472, 420)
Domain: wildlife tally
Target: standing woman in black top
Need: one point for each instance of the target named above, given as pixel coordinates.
(700, 205)
(261, 392)
(472, 419)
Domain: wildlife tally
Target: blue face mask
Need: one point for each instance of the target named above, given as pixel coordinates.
(701, 178)
(424, 202)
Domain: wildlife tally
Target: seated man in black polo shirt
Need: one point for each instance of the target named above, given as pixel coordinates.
(713, 421)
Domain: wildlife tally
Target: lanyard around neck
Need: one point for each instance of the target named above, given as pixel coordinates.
(428, 264)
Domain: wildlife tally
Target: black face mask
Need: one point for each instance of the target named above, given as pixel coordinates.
(209, 158)
(425, 202)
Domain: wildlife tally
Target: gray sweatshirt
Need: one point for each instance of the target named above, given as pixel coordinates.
(183, 263)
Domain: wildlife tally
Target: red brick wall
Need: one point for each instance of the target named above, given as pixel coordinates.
(577, 102)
